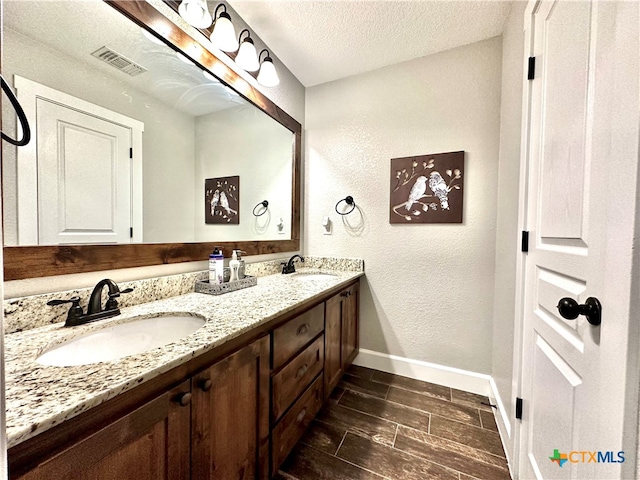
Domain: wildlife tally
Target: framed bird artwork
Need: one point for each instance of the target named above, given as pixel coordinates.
(222, 200)
(427, 188)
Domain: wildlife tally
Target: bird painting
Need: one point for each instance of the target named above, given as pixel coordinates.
(417, 191)
(222, 204)
(440, 189)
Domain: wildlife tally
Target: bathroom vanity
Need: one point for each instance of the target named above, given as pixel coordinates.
(228, 402)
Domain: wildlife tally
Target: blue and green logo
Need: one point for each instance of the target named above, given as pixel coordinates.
(579, 456)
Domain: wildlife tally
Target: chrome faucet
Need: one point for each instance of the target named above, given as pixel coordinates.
(76, 315)
(289, 267)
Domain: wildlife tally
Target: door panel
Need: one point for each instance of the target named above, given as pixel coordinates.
(564, 51)
(84, 177)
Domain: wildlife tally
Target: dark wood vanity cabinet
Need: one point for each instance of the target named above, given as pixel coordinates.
(341, 335)
(230, 417)
(214, 425)
(221, 416)
(150, 443)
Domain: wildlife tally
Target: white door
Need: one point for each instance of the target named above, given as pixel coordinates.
(84, 177)
(76, 182)
(578, 385)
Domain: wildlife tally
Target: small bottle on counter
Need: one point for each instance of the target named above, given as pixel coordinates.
(216, 266)
(234, 266)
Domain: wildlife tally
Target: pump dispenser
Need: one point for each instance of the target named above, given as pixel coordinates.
(216, 266)
(234, 266)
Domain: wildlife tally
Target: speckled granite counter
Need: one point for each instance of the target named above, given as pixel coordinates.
(40, 397)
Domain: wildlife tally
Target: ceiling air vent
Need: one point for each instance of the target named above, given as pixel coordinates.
(118, 61)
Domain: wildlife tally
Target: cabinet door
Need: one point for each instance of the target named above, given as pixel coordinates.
(333, 343)
(230, 417)
(350, 314)
(150, 443)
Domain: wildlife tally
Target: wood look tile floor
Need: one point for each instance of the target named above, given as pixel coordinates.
(382, 426)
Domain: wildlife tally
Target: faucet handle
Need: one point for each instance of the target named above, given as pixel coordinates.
(75, 312)
(111, 301)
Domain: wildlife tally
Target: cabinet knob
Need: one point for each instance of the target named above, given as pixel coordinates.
(302, 329)
(205, 384)
(301, 415)
(301, 371)
(184, 399)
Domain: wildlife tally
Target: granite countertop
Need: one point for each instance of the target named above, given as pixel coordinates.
(39, 397)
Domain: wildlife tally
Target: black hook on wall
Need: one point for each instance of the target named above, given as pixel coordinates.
(26, 131)
(349, 201)
(263, 204)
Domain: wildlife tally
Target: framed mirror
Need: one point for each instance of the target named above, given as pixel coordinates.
(149, 150)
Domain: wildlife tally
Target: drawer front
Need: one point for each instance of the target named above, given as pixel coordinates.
(295, 334)
(287, 433)
(292, 380)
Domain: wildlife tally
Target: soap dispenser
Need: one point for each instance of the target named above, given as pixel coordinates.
(234, 266)
(216, 267)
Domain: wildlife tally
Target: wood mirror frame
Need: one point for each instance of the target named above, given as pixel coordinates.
(44, 261)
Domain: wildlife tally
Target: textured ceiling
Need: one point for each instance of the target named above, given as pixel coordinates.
(324, 40)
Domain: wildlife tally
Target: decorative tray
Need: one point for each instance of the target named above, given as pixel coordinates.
(205, 287)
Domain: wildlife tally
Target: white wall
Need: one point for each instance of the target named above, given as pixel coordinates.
(246, 142)
(168, 155)
(507, 234)
(428, 293)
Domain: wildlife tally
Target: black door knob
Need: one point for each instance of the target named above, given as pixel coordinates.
(570, 309)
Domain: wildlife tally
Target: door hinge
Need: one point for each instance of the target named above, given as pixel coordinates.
(131, 153)
(518, 408)
(531, 72)
(130, 232)
(525, 241)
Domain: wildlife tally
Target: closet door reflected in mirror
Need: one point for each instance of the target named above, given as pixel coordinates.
(126, 132)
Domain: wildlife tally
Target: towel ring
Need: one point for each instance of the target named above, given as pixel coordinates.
(263, 204)
(349, 201)
(26, 131)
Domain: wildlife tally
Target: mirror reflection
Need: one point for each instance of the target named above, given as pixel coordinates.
(133, 142)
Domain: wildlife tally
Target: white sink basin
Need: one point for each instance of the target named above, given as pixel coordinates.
(312, 276)
(121, 340)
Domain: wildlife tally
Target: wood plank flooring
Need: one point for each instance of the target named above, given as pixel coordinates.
(382, 426)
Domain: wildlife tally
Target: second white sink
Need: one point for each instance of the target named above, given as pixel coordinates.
(121, 340)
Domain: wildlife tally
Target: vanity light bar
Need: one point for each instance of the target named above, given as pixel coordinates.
(223, 38)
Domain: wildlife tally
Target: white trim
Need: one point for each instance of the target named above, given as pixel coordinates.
(428, 372)
(503, 421)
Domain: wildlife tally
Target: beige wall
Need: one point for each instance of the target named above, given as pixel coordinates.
(428, 293)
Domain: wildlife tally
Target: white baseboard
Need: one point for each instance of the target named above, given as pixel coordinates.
(428, 372)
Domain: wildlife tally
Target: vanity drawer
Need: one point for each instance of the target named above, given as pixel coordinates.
(287, 433)
(296, 376)
(295, 334)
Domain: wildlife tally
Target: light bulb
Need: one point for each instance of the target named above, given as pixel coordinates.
(268, 75)
(223, 35)
(195, 12)
(247, 58)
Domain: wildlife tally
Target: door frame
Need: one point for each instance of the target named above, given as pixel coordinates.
(28, 93)
(625, 126)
